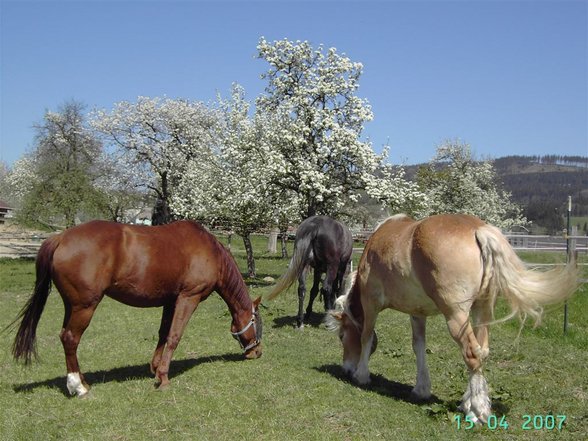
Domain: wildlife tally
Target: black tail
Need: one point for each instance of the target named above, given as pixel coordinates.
(24, 346)
(302, 248)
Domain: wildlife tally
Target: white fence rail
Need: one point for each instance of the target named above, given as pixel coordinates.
(528, 242)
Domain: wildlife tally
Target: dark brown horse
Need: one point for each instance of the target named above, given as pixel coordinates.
(175, 266)
(325, 245)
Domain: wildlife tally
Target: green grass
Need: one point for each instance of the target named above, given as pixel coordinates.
(295, 391)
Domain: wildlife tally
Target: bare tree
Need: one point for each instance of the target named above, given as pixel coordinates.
(64, 165)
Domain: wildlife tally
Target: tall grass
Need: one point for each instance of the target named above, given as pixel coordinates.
(295, 391)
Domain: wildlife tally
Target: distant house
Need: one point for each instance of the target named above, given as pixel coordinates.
(5, 211)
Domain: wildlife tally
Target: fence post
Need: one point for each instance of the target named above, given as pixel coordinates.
(568, 257)
(272, 243)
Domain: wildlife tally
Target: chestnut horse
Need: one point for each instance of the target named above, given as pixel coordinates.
(450, 264)
(325, 245)
(175, 266)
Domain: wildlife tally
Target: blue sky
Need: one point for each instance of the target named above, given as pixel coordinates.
(507, 77)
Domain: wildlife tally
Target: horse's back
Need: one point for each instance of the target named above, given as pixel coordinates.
(332, 240)
(421, 266)
(138, 265)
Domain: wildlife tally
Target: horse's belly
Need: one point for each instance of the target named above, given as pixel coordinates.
(139, 299)
(409, 297)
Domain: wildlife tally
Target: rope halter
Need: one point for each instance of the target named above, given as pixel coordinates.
(253, 323)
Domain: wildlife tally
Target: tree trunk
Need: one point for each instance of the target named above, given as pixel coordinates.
(70, 219)
(250, 258)
(161, 212)
(284, 241)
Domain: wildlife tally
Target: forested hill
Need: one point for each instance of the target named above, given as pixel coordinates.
(536, 181)
(541, 185)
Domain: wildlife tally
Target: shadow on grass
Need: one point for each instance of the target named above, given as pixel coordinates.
(274, 257)
(126, 373)
(258, 279)
(379, 385)
(401, 392)
(315, 320)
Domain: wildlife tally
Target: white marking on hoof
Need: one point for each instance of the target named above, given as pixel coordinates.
(74, 384)
(473, 418)
(476, 402)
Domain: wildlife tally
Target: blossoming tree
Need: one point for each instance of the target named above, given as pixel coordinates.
(319, 154)
(455, 182)
(160, 137)
(239, 192)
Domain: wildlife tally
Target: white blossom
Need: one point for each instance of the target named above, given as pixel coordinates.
(319, 155)
(455, 183)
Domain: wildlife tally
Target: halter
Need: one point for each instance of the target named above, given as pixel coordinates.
(247, 326)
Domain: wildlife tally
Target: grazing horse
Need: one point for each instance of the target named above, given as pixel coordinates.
(175, 266)
(325, 245)
(450, 264)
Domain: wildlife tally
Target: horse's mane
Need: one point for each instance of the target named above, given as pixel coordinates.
(395, 217)
(232, 283)
(348, 303)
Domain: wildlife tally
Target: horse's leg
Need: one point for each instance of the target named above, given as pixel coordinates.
(313, 292)
(75, 322)
(327, 289)
(301, 294)
(166, 321)
(339, 279)
(422, 389)
(482, 315)
(475, 402)
(185, 306)
(362, 373)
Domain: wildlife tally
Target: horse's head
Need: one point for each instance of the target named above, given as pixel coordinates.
(349, 329)
(249, 337)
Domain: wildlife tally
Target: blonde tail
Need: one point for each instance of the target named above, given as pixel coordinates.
(526, 290)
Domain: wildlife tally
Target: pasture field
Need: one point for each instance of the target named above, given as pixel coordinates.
(296, 390)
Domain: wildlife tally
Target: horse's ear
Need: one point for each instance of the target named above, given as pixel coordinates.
(257, 301)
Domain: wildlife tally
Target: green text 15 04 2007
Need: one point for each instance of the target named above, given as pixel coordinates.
(529, 422)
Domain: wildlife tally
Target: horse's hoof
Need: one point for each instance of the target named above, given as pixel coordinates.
(361, 379)
(419, 397)
(162, 386)
(85, 396)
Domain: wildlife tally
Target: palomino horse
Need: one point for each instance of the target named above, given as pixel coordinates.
(175, 266)
(452, 264)
(325, 245)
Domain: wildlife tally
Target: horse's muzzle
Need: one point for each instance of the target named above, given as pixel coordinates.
(254, 352)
